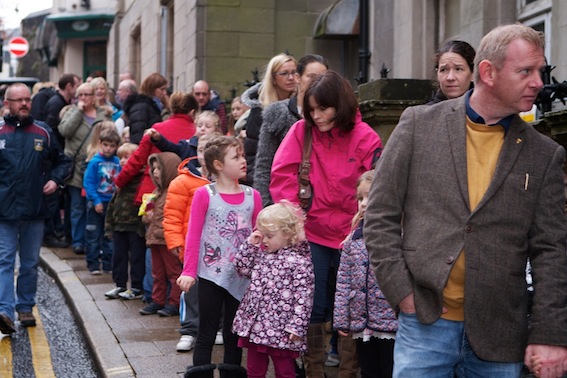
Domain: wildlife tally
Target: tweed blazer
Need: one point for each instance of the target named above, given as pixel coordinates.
(418, 221)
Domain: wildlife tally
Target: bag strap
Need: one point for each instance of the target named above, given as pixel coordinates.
(305, 166)
(305, 191)
(85, 139)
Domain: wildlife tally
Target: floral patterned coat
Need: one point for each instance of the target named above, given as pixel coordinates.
(359, 302)
(280, 296)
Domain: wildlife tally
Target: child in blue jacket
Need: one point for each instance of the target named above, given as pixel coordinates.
(99, 186)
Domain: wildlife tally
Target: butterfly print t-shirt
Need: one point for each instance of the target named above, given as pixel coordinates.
(219, 224)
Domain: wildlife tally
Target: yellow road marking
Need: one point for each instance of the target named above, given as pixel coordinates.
(5, 356)
(40, 349)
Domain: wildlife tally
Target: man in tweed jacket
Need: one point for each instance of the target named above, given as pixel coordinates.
(465, 192)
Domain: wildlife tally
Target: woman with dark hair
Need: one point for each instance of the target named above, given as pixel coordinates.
(278, 117)
(454, 62)
(342, 148)
(147, 107)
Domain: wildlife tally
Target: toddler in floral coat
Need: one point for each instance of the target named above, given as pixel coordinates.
(361, 311)
(273, 316)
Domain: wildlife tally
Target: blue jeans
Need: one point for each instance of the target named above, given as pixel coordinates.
(189, 311)
(148, 281)
(25, 236)
(442, 349)
(78, 216)
(95, 240)
(325, 262)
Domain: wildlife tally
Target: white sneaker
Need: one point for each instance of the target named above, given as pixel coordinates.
(115, 293)
(186, 343)
(219, 339)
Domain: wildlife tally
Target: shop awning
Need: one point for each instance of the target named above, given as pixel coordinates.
(83, 24)
(338, 21)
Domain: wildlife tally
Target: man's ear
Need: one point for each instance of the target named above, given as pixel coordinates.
(486, 70)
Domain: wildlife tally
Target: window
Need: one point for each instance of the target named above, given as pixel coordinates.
(537, 14)
(94, 63)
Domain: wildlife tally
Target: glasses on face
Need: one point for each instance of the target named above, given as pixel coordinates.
(19, 100)
(286, 73)
(85, 94)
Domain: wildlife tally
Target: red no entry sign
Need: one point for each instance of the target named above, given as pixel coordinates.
(18, 46)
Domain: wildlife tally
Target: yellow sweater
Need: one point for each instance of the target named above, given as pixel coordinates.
(483, 148)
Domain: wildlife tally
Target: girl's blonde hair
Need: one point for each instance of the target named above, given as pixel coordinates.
(283, 216)
(367, 176)
(126, 149)
(94, 145)
(212, 115)
(125, 134)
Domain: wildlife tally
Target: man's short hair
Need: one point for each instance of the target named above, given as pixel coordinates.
(494, 45)
(67, 79)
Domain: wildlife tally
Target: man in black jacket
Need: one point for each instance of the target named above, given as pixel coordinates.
(65, 93)
(67, 85)
(31, 167)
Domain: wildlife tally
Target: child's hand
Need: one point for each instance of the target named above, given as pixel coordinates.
(255, 238)
(185, 282)
(294, 337)
(300, 233)
(175, 251)
(99, 208)
(343, 333)
(153, 133)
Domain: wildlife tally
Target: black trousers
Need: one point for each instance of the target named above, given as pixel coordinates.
(212, 298)
(129, 248)
(376, 357)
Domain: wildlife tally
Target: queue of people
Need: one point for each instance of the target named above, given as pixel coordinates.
(261, 228)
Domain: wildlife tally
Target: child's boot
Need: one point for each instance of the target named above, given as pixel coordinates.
(348, 367)
(200, 371)
(232, 371)
(315, 356)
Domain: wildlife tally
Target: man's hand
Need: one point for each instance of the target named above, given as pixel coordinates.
(407, 305)
(50, 187)
(546, 361)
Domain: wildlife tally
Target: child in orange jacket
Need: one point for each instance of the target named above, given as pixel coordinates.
(175, 221)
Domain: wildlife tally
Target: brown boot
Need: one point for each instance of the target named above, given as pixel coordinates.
(315, 356)
(348, 366)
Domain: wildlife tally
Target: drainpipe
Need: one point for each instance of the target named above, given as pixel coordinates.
(117, 40)
(163, 50)
(363, 51)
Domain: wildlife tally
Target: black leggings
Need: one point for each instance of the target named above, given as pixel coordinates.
(376, 357)
(212, 298)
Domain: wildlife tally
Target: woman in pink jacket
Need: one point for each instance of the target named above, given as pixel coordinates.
(343, 147)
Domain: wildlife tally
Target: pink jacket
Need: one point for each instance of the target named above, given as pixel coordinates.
(337, 160)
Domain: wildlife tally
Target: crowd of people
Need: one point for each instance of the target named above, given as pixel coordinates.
(261, 226)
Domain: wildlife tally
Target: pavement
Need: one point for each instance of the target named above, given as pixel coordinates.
(123, 342)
